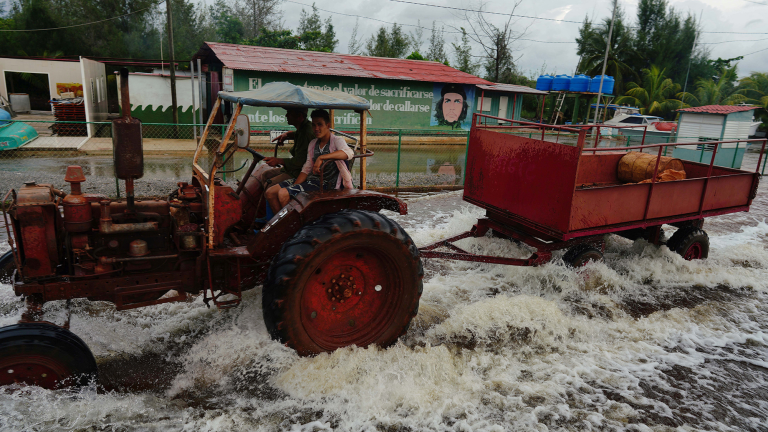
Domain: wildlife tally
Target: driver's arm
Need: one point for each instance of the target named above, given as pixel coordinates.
(300, 179)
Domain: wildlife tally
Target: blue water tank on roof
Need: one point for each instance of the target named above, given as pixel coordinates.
(544, 82)
(579, 83)
(608, 82)
(561, 83)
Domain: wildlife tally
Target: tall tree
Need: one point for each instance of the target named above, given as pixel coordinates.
(275, 39)
(312, 35)
(664, 38)
(715, 91)
(463, 55)
(436, 50)
(591, 45)
(355, 45)
(754, 90)
(417, 37)
(229, 28)
(258, 14)
(383, 43)
(497, 42)
(655, 95)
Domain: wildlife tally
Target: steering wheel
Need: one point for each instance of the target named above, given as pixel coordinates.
(257, 157)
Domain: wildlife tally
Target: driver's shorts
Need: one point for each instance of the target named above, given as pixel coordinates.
(311, 184)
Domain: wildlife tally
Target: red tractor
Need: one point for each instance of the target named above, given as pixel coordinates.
(335, 272)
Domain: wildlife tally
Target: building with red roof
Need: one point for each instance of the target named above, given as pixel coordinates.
(715, 123)
(403, 93)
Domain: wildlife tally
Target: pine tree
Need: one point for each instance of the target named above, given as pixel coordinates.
(463, 55)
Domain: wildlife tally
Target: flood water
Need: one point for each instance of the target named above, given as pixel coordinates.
(644, 341)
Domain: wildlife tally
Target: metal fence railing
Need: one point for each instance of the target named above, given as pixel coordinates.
(405, 159)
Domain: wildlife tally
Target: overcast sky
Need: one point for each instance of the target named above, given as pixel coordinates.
(717, 16)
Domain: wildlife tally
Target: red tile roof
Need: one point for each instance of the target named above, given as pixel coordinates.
(718, 109)
(247, 57)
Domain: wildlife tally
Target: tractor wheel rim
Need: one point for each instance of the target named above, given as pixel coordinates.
(351, 298)
(694, 251)
(36, 370)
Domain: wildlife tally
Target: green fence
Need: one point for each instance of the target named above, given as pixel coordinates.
(405, 159)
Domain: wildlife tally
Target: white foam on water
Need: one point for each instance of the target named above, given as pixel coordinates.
(643, 341)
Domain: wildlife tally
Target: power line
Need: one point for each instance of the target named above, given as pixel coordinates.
(412, 25)
(482, 11)
(755, 52)
(85, 24)
(735, 40)
(544, 19)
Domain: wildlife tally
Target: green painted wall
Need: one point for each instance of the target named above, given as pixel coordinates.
(149, 114)
(394, 103)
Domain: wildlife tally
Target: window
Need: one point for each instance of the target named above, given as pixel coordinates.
(632, 120)
(485, 102)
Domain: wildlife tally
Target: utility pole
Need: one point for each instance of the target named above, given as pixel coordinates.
(690, 60)
(172, 59)
(605, 60)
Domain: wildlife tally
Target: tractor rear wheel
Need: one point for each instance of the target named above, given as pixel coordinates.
(580, 255)
(690, 242)
(350, 278)
(44, 355)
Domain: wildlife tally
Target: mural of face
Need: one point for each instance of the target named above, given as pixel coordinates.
(453, 104)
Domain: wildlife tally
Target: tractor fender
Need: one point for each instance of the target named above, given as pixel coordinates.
(306, 208)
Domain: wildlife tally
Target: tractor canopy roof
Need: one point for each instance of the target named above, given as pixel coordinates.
(287, 95)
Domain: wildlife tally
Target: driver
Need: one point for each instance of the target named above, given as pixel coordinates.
(269, 173)
(326, 146)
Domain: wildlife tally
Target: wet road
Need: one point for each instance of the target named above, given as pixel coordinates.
(642, 342)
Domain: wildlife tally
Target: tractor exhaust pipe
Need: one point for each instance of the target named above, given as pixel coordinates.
(127, 144)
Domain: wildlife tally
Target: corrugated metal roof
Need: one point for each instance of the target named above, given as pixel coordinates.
(511, 88)
(718, 109)
(247, 57)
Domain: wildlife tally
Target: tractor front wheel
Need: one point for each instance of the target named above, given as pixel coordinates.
(44, 355)
(350, 278)
(7, 265)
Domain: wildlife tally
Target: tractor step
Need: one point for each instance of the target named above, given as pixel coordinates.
(147, 295)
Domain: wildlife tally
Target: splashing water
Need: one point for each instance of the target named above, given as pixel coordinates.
(643, 341)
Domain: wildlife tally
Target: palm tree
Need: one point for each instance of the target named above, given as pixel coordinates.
(755, 89)
(715, 92)
(591, 49)
(656, 94)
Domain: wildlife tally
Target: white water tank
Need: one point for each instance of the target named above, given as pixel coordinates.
(20, 102)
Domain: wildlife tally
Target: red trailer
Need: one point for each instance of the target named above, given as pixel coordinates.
(557, 195)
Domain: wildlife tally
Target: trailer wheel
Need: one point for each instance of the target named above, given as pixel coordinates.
(7, 265)
(580, 255)
(44, 355)
(350, 278)
(690, 242)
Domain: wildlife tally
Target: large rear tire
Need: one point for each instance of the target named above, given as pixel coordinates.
(690, 242)
(350, 278)
(44, 355)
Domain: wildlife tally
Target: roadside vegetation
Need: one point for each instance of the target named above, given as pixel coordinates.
(654, 57)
